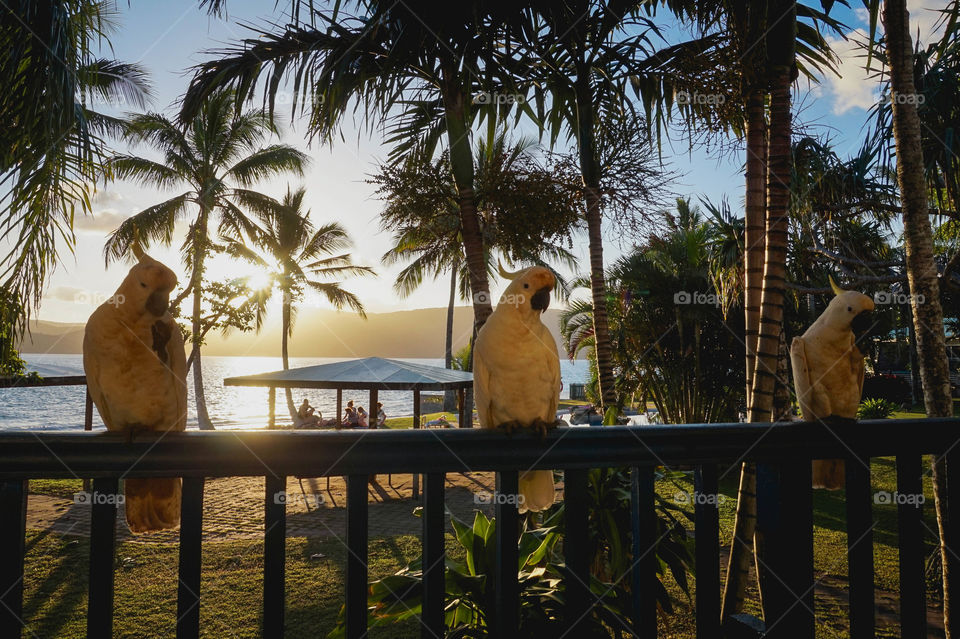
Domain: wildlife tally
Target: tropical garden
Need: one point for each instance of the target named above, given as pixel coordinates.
(517, 134)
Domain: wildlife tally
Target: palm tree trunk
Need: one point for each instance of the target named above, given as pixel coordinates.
(782, 68)
(921, 269)
(203, 418)
(284, 351)
(450, 397)
(589, 169)
(461, 164)
(756, 201)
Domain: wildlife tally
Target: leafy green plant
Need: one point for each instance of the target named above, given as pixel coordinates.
(470, 588)
(876, 409)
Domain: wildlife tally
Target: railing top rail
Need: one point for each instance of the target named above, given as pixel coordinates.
(319, 453)
(52, 380)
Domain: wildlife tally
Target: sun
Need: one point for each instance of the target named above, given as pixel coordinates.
(259, 281)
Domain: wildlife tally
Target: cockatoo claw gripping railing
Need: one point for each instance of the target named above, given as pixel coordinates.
(783, 452)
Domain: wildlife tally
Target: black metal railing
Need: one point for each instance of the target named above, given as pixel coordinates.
(784, 452)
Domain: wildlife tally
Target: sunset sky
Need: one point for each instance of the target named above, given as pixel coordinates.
(168, 37)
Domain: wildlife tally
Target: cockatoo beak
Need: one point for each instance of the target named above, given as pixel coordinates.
(158, 303)
(541, 299)
(861, 324)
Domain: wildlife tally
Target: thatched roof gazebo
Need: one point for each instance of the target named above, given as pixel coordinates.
(369, 373)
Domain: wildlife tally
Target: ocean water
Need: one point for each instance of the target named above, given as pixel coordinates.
(230, 407)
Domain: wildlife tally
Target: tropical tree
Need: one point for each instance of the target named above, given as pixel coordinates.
(298, 257)
(674, 337)
(218, 155)
(54, 136)
(513, 190)
(406, 66)
(918, 239)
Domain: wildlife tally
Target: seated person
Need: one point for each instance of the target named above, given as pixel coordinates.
(350, 418)
(306, 415)
(440, 422)
(381, 416)
(361, 417)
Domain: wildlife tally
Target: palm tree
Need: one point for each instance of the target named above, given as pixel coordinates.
(512, 192)
(299, 257)
(918, 238)
(219, 155)
(54, 137)
(407, 65)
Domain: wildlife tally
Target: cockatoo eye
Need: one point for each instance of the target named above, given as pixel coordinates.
(142, 285)
(526, 285)
(849, 309)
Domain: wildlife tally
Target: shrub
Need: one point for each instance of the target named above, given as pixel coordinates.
(889, 387)
(876, 409)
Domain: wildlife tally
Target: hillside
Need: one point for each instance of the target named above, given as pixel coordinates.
(317, 333)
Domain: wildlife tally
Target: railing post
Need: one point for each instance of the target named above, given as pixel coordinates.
(644, 570)
(506, 613)
(785, 548)
(434, 568)
(707, 531)
(860, 547)
(191, 531)
(356, 586)
(274, 556)
(578, 597)
(103, 528)
(415, 478)
(13, 526)
(913, 608)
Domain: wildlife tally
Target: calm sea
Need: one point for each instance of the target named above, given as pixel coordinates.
(61, 407)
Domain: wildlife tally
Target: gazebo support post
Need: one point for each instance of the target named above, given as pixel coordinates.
(416, 424)
(339, 407)
(462, 394)
(272, 419)
(372, 411)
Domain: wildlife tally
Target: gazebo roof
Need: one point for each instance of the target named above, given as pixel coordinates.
(361, 374)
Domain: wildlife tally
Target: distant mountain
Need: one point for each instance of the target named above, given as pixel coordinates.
(317, 333)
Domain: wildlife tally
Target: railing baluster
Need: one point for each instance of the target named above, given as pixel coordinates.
(356, 587)
(103, 530)
(506, 613)
(913, 609)
(707, 530)
(644, 570)
(274, 556)
(432, 622)
(191, 530)
(860, 547)
(13, 526)
(577, 580)
(785, 548)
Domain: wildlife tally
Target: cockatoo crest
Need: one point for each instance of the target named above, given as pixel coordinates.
(529, 290)
(147, 287)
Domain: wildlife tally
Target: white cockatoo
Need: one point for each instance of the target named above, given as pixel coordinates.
(516, 371)
(828, 370)
(135, 364)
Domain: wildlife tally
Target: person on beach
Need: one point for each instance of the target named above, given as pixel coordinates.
(308, 417)
(381, 416)
(361, 417)
(350, 418)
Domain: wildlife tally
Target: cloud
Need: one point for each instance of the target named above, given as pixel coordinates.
(67, 294)
(853, 88)
(102, 221)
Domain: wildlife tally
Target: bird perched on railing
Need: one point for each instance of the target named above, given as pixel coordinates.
(136, 369)
(828, 370)
(516, 371)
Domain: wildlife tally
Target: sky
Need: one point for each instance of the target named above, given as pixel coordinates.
(169, 37)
